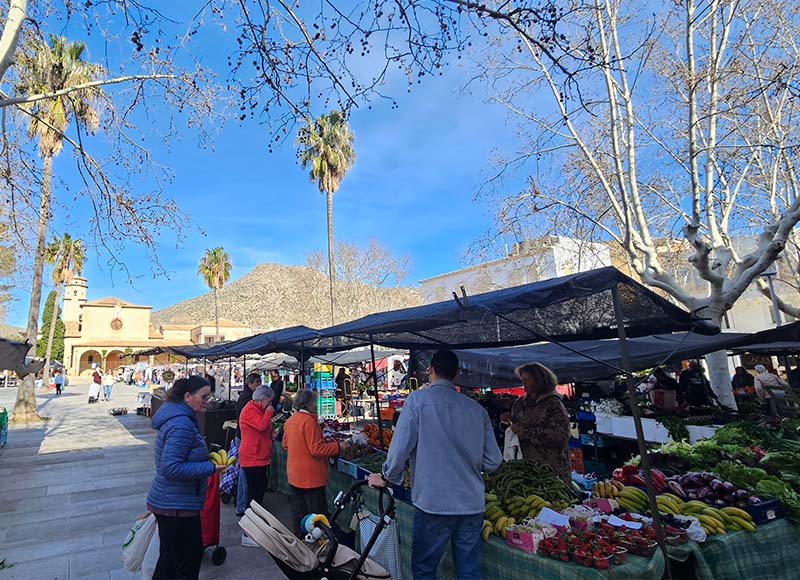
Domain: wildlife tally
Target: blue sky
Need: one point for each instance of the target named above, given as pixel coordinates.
(417, 168)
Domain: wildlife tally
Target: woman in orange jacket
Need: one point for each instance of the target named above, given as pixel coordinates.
(255, 450)
(307, 458)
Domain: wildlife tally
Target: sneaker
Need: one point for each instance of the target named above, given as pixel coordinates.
(249, 542)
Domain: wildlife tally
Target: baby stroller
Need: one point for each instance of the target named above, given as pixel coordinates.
(318, 559)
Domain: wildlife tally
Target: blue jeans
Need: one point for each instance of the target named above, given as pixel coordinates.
(429, 539)
(241, 488)
(107, 391)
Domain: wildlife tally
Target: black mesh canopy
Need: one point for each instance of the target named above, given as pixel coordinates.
(575, 307)
(487, 367)
(287, 340)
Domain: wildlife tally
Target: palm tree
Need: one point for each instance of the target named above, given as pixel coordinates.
(47, 68)
(215, 268)
(327, 146)
(67, 256)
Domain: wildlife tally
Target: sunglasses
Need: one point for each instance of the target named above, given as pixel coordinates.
(203, 398)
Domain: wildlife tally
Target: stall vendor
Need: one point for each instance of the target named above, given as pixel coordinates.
(541, 421)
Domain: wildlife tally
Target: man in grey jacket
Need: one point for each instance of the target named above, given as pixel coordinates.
(449, 441)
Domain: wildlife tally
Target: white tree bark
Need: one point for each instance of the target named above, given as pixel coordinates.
(17, 11)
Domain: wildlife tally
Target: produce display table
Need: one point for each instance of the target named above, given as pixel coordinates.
(497, 559)
(770, 552)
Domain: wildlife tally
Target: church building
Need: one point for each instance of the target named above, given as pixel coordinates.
(98, 333)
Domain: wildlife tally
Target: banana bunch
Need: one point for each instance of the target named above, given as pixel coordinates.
(221, 458)
(669, 503)
(632, 499)
(607, 489)
(526, 507)
(496, 518)
(719, 521)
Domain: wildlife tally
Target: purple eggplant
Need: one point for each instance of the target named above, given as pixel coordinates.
(704, 493)
(728, 486)
(720, 502)
(691, 495)
(716, 484)
(753, 500)
(741, 494)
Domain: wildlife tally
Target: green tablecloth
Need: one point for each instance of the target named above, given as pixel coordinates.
(771, 552)
(497, 559)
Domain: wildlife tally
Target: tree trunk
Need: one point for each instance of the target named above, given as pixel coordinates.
(331, 268)
(25, 405)
(718, 371)
(51, 333)
(216, 315)
(17, 11)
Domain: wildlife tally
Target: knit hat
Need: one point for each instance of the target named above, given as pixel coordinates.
(761, 369)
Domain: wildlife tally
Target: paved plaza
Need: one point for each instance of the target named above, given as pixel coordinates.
(71, 488)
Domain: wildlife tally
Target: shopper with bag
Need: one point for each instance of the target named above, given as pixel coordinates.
(449, 440)
(255, 451)
(178, 489)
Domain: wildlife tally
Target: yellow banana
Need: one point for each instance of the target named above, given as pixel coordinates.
(231, 460)
(744, 524)
(223, 455)
(734, 511)
(215, 458)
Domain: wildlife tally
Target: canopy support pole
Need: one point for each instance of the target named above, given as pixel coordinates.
(301, 380)
(230, 378)
(375, 382)
(244, 369)
(637, 422)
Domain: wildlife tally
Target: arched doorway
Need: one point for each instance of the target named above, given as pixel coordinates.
(114, 360)
(89, 359)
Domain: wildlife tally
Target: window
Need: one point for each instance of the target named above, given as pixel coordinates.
(90, 359)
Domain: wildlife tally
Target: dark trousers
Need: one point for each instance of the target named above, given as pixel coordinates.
(304, 502)
(58, 388)
(256, 483)
(181, 549)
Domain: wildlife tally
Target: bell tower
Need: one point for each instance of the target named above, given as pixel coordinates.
(74, 297)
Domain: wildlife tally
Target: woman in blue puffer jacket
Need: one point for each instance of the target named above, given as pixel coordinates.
(178, 490)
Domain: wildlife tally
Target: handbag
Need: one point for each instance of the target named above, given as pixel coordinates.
(386, 550)
(137, 541)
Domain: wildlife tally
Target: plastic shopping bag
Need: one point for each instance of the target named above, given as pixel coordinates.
(136, 542)
(151, 557)
(386, 550)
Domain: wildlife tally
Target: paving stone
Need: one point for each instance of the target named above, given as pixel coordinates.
(97, 494)
(51, 568)
(93, 561)
(22, 493)
(33, 550)
(41, 531)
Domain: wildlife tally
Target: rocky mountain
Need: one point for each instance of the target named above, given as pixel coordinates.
(273, 296)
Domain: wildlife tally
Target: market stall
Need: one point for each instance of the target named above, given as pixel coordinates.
(497, 559)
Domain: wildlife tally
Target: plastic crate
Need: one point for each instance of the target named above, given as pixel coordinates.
(766, 511)
(596, 441)
(597, 467)
(576, 460)
(387, 414)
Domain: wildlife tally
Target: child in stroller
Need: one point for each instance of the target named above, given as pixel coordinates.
(320, 555)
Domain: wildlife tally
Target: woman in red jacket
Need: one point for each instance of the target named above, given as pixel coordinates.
(255, 450)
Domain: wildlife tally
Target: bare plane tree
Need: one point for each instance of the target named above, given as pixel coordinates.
(673, 134)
